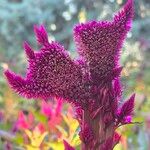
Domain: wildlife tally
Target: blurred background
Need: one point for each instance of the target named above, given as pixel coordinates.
(34, 125)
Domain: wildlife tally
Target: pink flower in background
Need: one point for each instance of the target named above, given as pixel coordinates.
(52, 113)
(40, 127)
(24, 122)
(47, 108)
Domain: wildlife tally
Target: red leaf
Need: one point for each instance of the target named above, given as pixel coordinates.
(68, 146)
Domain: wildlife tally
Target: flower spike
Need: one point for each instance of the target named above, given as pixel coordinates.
(16, 82)
(41, 35)
(51, 72)
(28, 50)
(100, 42)
(124, 16)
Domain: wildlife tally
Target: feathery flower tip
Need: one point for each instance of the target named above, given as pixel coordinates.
(126, 13)
(28, 50)
(41, 35)
(17, 83)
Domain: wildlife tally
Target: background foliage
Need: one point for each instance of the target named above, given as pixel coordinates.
(17, 18)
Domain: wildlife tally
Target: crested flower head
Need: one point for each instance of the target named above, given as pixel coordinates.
(100, 42)
(52, 72)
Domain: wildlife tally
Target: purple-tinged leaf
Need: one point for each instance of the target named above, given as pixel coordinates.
(127, 108)
(67, 145)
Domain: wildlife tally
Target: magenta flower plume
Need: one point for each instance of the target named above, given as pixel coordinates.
(51, 72)
(100, 42)
(41, 35)
(91, 82)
